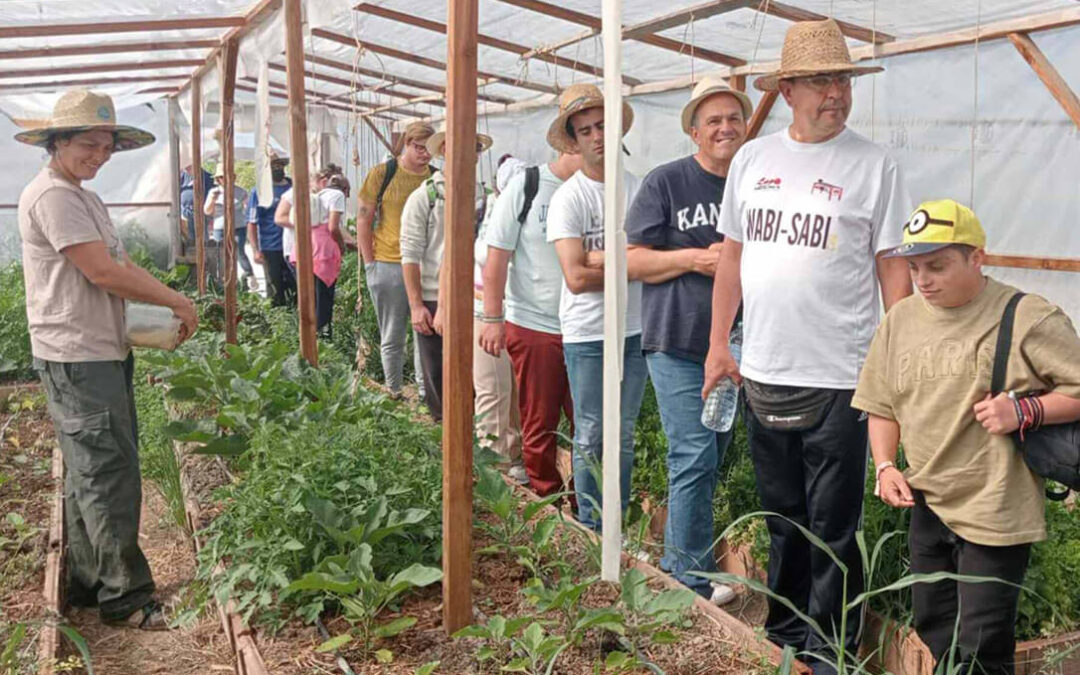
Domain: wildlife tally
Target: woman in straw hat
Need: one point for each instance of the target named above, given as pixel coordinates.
(77, 279)
(809, 212)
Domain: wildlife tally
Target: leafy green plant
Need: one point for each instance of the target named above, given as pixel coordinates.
(535, 651)
(15, 357)
(352, 583)
(496, 497)
(652, 616)
(496, 634)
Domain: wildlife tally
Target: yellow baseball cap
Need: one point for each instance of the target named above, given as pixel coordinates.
(937, 224)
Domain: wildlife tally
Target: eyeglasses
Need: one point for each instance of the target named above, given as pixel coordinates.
(418, 147)
(821, 83)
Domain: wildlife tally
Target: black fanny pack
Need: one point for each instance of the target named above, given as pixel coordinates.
(783, 408)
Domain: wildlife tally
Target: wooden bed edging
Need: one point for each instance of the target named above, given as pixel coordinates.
(744, 635)
(249, 660)
(49, 637)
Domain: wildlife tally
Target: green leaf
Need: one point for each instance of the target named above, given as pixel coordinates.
(664, 637)
(518, 665)
(183, 393)
(472, 632)
(334, 643)
(395, 626)
(319, 581)
(416, 575)
(80, 643)
(384, 656)
(228, 446)
(293, 545)
(618, 661)
(7, 658)
(669, 601)
(428, 668)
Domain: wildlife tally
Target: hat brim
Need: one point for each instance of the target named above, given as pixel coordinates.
(691, 107)
(127, 138)
(771, 81)
(561, 141)
(434, 144)
(907, 250)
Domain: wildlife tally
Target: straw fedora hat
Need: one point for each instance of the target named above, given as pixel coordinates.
(82, 110)
(813, 48)
(572, 100)
(709, 85)
(434, 142)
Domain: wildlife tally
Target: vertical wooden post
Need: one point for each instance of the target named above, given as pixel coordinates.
(305, 277)
(615, 289)
(228, 90)
(197, 177)
(175, 221)
(737, 82)
(460, 169)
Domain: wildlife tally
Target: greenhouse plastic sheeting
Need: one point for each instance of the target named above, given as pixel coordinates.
(980, 129)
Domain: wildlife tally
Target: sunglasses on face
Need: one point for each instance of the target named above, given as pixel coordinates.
(822, 83)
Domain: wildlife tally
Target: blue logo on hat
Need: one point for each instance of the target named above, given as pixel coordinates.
(104, 113)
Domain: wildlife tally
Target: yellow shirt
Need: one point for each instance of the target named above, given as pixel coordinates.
(388, 222)
(926, 369)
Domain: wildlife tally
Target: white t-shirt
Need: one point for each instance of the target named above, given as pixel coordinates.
(577, 211)
(321, 204)
(811, 217)
(534, 278)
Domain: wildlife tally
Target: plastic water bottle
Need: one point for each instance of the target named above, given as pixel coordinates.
(723, 401)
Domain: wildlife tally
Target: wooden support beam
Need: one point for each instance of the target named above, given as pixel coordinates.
(761, 113)
(99, 68)
(122, 48)
(227, 70)
(1049, 75)
(305, 276)
(140, 26)
(593, 23)
(198, 196)
(793, 13)
(486, 40)
(348, 83)
(1034, 263)
(423, 60)
(680, 17)
(460, 171)
(378, 134)
(248, 22)
(54, 85)
(343, 107)
(435, 99)
(320, 98)
(737, 82)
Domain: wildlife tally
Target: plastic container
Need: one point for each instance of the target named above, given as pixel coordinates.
(151, 326)
(723, 401)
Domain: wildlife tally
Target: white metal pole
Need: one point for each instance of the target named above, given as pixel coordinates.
(614, 286)
(174, 181)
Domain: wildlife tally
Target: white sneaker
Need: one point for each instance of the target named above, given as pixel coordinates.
(634, 551)
(518, 474)
(722, 594)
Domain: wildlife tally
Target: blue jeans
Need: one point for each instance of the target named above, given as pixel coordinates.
(694, 454)
(585, 370)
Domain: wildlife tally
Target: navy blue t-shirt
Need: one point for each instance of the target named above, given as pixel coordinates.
(677, 206)
(269, 231)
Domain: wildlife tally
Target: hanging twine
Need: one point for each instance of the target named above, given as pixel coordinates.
(762, 11)
(689, 28)
(975, 102)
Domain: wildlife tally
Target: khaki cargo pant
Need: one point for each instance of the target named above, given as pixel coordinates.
(92, 404)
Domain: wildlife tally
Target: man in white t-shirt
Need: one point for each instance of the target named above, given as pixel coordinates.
(576, 226)
(523, 268)
(808, 213)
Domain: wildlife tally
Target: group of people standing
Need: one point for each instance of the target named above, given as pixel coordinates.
(782, 242)
(788, 246)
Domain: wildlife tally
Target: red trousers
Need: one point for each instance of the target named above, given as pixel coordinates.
(543, 391)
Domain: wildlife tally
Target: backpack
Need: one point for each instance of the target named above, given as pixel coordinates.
(391, 169)
(434, 196)
(532, 186)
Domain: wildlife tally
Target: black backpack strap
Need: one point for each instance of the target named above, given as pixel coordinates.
(391, 169)
(532, 186)
(1004, 345)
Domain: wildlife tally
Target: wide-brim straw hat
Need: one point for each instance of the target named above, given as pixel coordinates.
(278, 160)
(82, 110)
(574, 99)
(708, 86)
(813, 48)
(434, 142)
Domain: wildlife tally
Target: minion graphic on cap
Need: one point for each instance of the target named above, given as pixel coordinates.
(937, 224)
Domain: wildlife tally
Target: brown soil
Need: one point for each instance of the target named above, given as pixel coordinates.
(26, 489)
(704, 647)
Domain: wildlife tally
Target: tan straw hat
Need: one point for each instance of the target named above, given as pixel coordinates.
(813, 48)
(572, 100)
(434, 143)
(709, 85)
(82, 110)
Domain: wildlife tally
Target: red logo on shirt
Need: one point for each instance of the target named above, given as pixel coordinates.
(827, 189)
(768, 184)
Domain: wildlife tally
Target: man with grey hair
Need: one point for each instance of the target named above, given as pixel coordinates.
(674, 242)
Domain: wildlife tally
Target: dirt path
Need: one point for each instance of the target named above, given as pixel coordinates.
(200, 648)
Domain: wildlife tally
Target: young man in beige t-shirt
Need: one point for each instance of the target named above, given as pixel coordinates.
(976, 507)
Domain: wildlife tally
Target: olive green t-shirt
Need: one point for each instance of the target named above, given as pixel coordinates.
(926, 369)
(388, 223)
